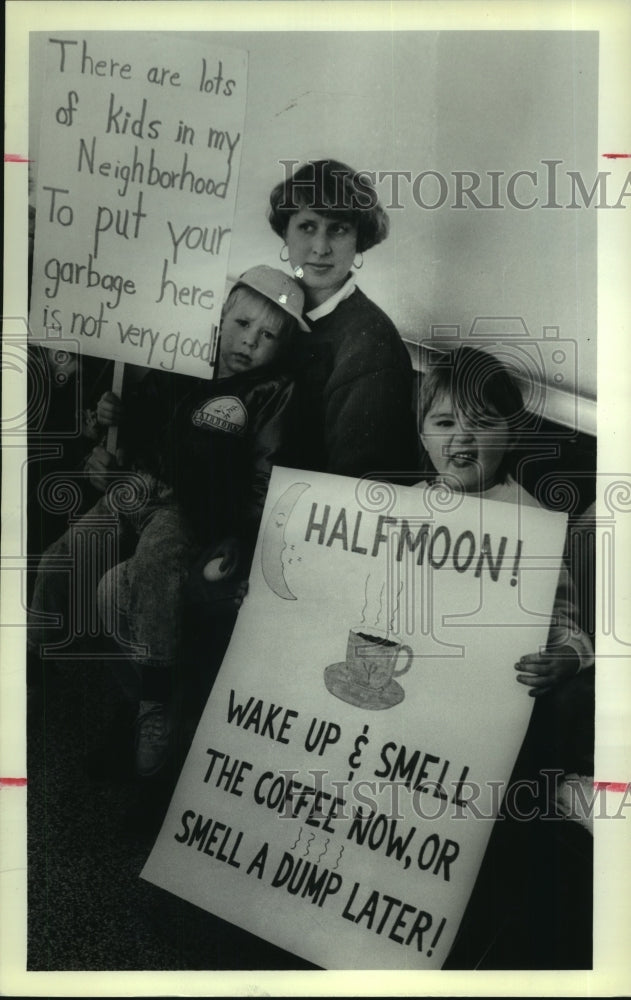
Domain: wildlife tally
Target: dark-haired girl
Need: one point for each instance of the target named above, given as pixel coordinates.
(470, 412)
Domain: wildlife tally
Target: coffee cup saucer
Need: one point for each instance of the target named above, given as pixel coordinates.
(339, 683)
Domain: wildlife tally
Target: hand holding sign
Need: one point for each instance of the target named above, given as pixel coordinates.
(109, 410)
(100, 464)
(542, 672)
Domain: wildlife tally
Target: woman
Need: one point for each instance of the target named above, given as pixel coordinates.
(353, 371)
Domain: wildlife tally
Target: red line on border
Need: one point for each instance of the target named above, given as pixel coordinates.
(613, 786)
(617, 156)
(12, 782)
(15, 158)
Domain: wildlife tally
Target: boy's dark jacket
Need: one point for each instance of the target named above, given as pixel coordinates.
(214, 442)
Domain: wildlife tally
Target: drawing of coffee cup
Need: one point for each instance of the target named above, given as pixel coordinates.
(371, 660)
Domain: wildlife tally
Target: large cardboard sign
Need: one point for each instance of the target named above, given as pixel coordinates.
(137, 178)
(343, 781)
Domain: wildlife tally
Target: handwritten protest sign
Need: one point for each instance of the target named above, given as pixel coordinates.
(137, 175)
(342, 783)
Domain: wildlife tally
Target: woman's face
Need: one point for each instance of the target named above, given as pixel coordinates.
(324, 247)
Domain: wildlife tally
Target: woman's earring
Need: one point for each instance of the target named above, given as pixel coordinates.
(361, 262)
(298, 272)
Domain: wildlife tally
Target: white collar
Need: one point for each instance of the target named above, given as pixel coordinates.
(327, 307)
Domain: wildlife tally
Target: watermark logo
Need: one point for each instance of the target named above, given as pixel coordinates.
(548, 184)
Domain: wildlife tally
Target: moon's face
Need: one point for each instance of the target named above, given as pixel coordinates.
(274, 541)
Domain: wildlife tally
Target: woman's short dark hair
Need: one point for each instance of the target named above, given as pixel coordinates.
(334, 189)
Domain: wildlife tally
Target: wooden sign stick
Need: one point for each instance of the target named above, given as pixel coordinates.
(117, 389)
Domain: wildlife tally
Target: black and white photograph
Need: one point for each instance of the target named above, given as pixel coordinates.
(315, 510)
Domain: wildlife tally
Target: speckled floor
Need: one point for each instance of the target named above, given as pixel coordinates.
(88, 839)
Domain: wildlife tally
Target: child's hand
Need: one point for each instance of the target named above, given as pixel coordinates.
(209, 583)
(109, 410)
(223, 560)
(98, 464)
(544, 671)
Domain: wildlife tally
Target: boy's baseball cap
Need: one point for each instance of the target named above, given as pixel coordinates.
(278, 287)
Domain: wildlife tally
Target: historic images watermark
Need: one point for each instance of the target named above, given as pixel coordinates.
(545, 185)
(408, 786)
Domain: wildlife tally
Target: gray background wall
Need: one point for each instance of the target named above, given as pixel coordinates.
(443, 101)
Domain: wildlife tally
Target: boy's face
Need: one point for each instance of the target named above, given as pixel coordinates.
(465, 454)
(251, 333)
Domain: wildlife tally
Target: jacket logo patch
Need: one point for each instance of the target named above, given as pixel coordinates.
(223, 413)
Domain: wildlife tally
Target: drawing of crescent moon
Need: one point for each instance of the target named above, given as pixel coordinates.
(274, 541)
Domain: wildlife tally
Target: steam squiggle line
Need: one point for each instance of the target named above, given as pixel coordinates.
(380, 605)
(338, 857)
(311, 837)
(363, 621)
(297, 839)
(328, 839)
(395, 607)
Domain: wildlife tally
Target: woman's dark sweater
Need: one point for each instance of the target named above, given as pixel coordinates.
(354, 392)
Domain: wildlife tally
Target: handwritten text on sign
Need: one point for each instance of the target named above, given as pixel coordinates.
(138, 167)
(365, 721)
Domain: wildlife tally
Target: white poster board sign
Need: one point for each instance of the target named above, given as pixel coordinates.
(342, 783)
(136, 183)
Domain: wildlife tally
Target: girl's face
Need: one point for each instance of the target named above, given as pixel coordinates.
(465, 454)
(324, 248)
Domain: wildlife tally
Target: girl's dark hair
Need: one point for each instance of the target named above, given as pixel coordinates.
(334, 189)
(480, 386)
